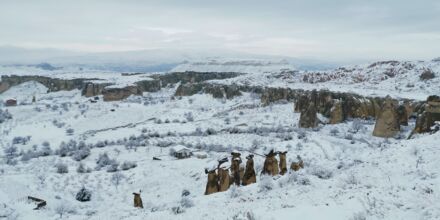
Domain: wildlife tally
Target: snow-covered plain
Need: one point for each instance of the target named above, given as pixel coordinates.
(348, 174)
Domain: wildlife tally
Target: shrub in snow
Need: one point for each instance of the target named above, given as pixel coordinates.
(82, 169)
(234, 192)
(117, 178)
(61, 168)
(266, 183)
(104, 160)
(70, 131)
(334, 132)
(321, 172)
(28, 155)
(356, 126)
(177, 210)
(244, 215)
(100, 144)
(58, 124)
(83, 195)
(4, 115)
(186, 202)
(185, 192)
(11, 153)
(63, 208)
(112, 167)
(81, 154)
(189, 116)
(128, 165)
(21, 140)
(359, 216)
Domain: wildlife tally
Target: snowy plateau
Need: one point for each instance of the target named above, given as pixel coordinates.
(67, 152)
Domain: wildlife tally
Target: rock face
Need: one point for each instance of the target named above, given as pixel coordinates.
(115, 94)
(428, 115)
(93, 89)
(387, 124)
(53, 84)
(308, 118)
(336, 113)
(403, 115)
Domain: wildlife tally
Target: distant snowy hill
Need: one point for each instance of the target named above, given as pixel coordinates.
(229, 65)
(152, 60)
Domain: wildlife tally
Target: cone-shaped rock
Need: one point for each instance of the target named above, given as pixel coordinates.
(387, 123)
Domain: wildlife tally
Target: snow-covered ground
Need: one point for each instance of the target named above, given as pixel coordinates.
(348, 174)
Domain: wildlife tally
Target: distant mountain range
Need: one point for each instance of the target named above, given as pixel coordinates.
(155, 60)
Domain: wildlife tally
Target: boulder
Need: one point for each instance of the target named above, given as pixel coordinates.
(387, 124)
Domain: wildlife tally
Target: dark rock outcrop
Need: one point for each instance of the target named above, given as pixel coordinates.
(93, 89)
(428, 115)
(115, 94)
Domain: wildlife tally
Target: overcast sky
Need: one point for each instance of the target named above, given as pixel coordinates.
(324, 29)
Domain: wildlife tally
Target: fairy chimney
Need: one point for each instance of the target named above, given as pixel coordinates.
(249, 176)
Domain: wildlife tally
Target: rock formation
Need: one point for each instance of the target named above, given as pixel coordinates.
(308, 117)
(428, 115)
(249, 176)
(283, 163)
(115, 94)
(138, 200)
(212, 184)
(223, 175)
(336, 113)
(270, 164)
(235, 168)
(387, 124)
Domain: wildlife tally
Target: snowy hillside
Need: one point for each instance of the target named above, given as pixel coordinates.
(398, 79)
(60, 142)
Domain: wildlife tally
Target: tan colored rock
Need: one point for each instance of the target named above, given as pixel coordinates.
(249, 176)
(223, 175)
(235, 168)
(212, 184)
(295, 166)
(387, 124)
(270, 164)
(116, 94)
(138, 200)
(283, 163)
(336, 113)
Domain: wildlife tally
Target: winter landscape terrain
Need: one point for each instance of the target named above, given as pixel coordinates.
(84, 148)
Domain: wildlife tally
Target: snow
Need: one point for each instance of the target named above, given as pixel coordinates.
(347, 174)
